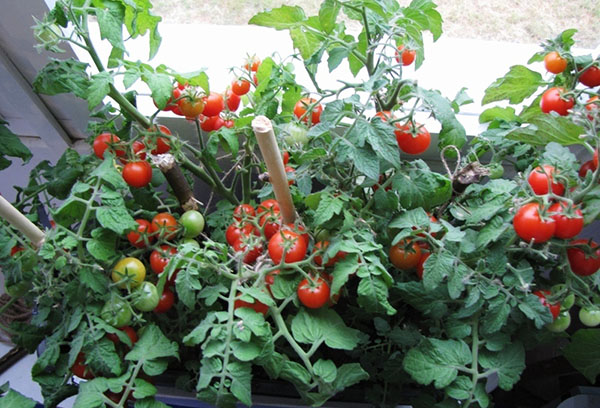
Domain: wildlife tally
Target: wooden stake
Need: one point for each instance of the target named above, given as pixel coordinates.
(263, 129)
(22, 223)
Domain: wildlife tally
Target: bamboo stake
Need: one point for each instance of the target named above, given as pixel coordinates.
(22, 223)
(263, 129)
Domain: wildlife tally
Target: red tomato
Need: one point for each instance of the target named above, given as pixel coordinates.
(191, 104)
(232, 100)
(240, 87)
(101, 143)
(554, 62)
(413, 144)
(257, 306)
(164, 224)
(213, 104)
(80, 369)
(421, 265)
(303, 105)
(139, 150)
(322, 245)
(243, 211)
(167, 299)
(314, 294)
(285, 156)
(252, 64)
(269, 205)
(291, 175)
(566, 227)
(590, 77)
(235, 232)
(162, 144)
(136, 237)
(137, 173)
(552, 100)
(554, 308)
(210, 123)
(582, 264)
(270, 223)
(229, 123)
(529, 225)
(403, 258)
(174, 106)
(16, 249)
(300, 230)
(538, 180)
(250, 254)
(408, 56)
(585, 167)
(289, 243)
(160, 259)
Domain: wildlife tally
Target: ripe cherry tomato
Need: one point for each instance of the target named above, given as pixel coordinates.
(322, 246)
(408, 56)
(128, 330)
(210, 123)
(145, 297)
(164, 225)
(137, 173)
(300, 230)
(192, 222)
(190, 103)
(213, 104)
(16, 249)
(250, 255)
(269, 205)
(101, 143)
(160, 259)
(585, 167)
(529, 225)
(162, 144)
(421, 264)
(232, 100)
(410, 144)
(129, 272)
(554, 62)
(303, 105)
(240, 87)
(136, 238)
(257, 306)
(116, 312)
(139, 150)
(235, 232)
(552, 101)
(252, 64)
(589, 316)
(167, 299)
(80, 369)
(243, 211)
(285, 156)
(581, 263)
(566, 227)
(538, 180)
(590, 77)
(554, 308)
(270, 223)
(295, 244)
(313, 294)
(403, 258)
(176, 94)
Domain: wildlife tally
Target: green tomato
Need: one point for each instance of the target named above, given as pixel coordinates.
(496, 170)
(561, 323)
(295, 134)
(193, 223)
(145, 297)
(568, 301)
(116, 312)
(589, 316)
(191, 241)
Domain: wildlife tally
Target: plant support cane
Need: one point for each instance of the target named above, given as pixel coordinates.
(22, 223)
(263, 129)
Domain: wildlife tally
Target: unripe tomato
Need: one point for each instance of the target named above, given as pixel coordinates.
(145, 297)
(561, 323)
(589, 316)
(116, 312)
(554, 62)
(192, 222)
(129, 272)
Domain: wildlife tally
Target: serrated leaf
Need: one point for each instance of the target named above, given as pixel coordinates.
(583, 352)
(509, 363)
(241, 379)
(452, 132)
(518, 84)
(281, 18)
(323, 325)
(93, 279)
(437, 266)
(383, 141)
(14, 399)
(116, 219)
(99, 87)
(328, 207)
(495, 317)
(326, 370)
(328, 13)
(497, 113)
(548, 128)
(102, 245)
(373, 295)
(152, 344)
(161, 87)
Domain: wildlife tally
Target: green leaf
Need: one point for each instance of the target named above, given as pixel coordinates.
(253, 321)
(328, 13)
(325, 369)
(149, 403)
(328, 207)
(323, 325)
(348, 375)
(366, 162)
(583, 352)
(509, 363)
(453, 132)
(536, 311)
(102, 245)
(305, 41)
(241, 378)
(98, 89)
(547, 128)
(63, 76)
(436, 361)
(295, 373)
(245, 351)
(496, 315)
(91, 393)
(116, 219)
(151, 345)
(110, 20)
(383, 141)
(431, 303)
(102, 358)
(161, 87)
(497, 113)
(14, 399)
(11, 147)
(281, 18)
(93, 279)
(518, 84)
(461, 388)
(420, 187)
(199, 333)
(438, 266)
(373, 295)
